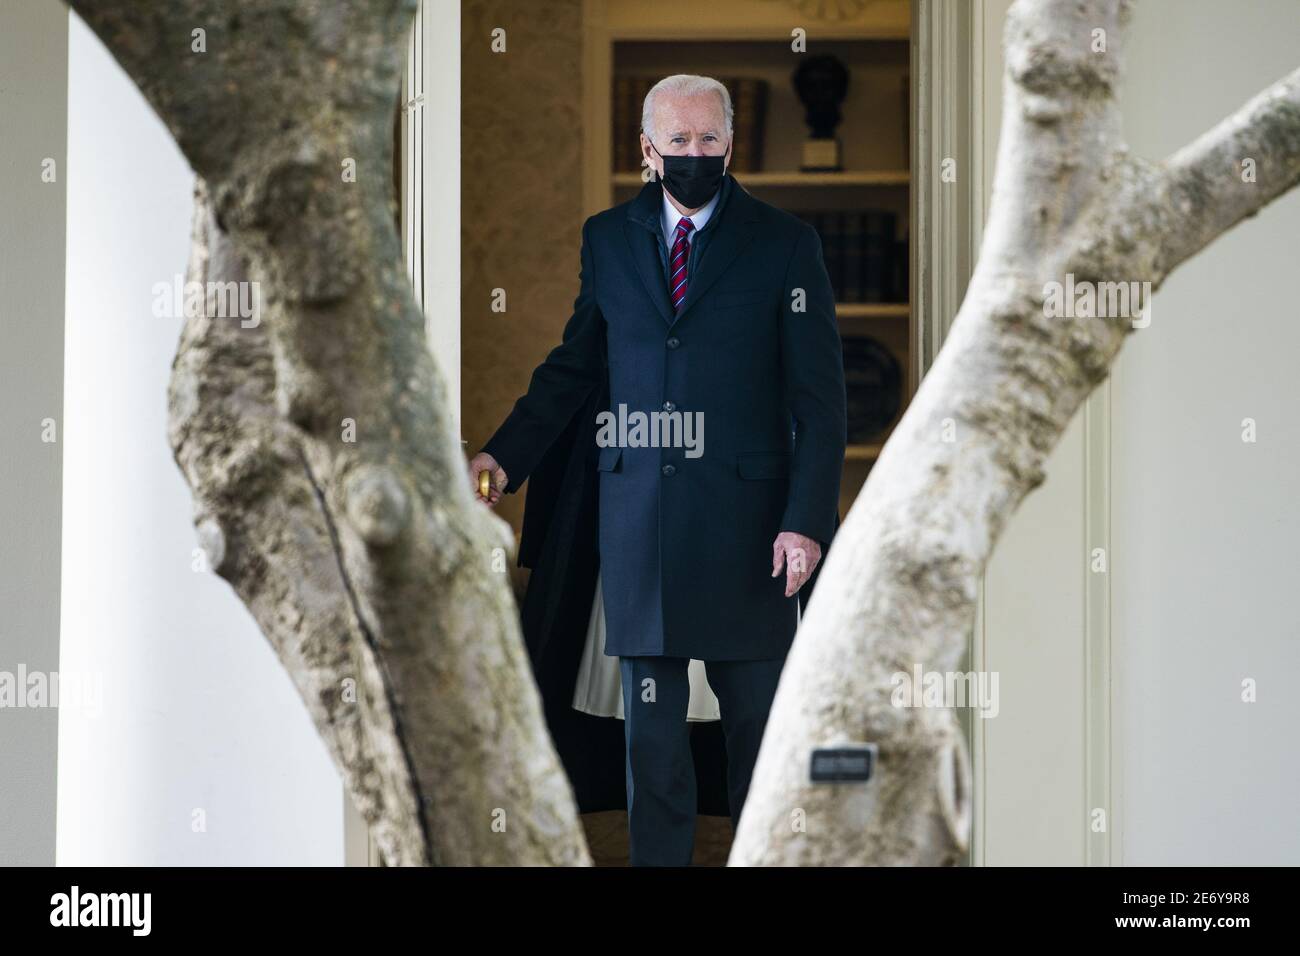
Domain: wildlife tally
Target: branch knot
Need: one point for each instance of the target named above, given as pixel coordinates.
(377, 504)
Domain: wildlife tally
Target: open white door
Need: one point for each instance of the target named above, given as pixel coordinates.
(430, 205)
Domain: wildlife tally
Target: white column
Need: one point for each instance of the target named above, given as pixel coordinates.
(1205, 524)
(202, 752)
(33, 141)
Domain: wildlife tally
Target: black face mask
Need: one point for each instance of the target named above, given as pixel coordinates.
(692, 180)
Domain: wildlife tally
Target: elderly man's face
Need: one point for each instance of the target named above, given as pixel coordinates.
(687, 126)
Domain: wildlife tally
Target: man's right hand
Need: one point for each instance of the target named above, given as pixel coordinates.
(485, 462)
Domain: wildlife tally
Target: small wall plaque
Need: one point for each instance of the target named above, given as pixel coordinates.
(844, 764)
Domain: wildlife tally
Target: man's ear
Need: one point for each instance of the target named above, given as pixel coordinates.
(647, 147)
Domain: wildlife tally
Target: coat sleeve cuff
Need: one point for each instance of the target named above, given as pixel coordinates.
(510, 464)
(820, 528)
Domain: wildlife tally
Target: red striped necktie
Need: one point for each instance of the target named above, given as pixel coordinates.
(678, 258)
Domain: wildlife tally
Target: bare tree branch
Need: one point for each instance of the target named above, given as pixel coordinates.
(263, 527)
(1229, 173)
(362, 461)
(899, 585)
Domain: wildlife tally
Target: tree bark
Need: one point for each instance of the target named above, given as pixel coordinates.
(330, 488)
(899, 585)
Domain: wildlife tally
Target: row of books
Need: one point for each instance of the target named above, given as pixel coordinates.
(865, 259)
(748, 104)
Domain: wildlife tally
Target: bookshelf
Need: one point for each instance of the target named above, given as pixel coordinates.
(750, 40)
(796, 179)
(873, 310)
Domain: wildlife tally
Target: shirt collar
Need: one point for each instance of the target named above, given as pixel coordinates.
(699, 219)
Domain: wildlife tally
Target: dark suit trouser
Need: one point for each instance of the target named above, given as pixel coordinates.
(661, 798)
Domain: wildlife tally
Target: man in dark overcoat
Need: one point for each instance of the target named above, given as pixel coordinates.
(691, 425)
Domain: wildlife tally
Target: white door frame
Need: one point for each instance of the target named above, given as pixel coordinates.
(957, 63)
(430, 222)
(947, 218)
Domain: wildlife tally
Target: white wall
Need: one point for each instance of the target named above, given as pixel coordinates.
(1206, 526)
(33, 128)
(197, 712)
(1203, 529)
(1033, 800)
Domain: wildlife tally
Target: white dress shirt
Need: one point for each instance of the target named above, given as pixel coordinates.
(671, 217)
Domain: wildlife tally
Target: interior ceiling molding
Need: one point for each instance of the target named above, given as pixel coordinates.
(835, 9)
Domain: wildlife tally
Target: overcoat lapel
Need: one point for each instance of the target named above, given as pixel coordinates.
(643, 237)
(735, 229)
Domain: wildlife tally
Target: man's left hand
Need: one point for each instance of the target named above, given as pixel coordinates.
(799, 555)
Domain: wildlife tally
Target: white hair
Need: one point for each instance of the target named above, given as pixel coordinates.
(683, 84)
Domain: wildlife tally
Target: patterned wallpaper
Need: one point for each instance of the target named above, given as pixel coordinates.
(521, 200)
